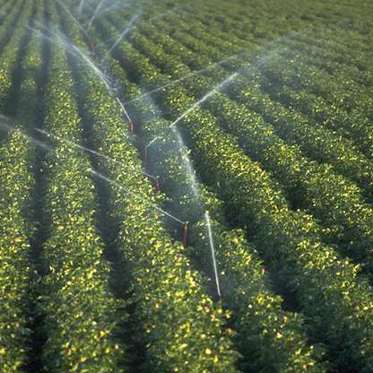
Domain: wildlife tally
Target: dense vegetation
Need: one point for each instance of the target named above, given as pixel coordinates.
(186, 186)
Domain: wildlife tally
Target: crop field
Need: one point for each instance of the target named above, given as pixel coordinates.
(186, 186)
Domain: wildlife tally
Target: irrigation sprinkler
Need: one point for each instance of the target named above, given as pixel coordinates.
(194, 73)
(185, 234)
(95, 13)
(213, 254)
(146, 148)
(214, 91)
(131, 126)
(183, 224)
(130, 26)
(155, 179)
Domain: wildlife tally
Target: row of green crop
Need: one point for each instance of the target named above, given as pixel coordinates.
(245, 28)
(333, 62)
(9, 16)
(9, 54)
(182, 327)
(289, 16)
(353, 124)
(285, 41)
(17, 274)
(288, 239)
(315, 141)
(79, 313)
(6, 7)
(333, 199)
(282, 46)
(15, 271)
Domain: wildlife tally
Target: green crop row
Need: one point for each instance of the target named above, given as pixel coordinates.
(335, 62)
(9, 54)
(6, 9)
(258, 19)
(15, 271)
(353, 124)
(183, 328)
(81, 314)
(317, 142)
(288, 239)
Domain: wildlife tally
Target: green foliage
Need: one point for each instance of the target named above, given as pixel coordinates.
(81, 313)
(282, 163)
(15, 270)
(289, 240)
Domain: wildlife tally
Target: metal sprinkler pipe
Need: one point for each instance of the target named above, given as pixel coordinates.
(185, 234)
(157, 185)
(146, 147)
(153, 205)
(125, 112)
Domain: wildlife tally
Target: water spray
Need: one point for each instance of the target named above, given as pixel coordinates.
(121, 36)
(5, 126)
(204, 98)
(95, 13)
(80, 8)
(125, 112)
(213, 254)
(66, 9)
(194, 73)
(146, 148)
(94, 152)
(153, 205)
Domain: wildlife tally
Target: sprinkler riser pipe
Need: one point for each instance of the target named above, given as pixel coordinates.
(185, 235)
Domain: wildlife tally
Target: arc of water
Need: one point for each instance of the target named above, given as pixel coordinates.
(213, 253)
(74, 50)
(80, 8)
(124, 109)
(153, 141)
(194, 73)
(4, 125)
(67, 10)
(190, 170)
(93, 67)
(153, 205)
(147, 146)
(86, 149)
(130, 26)
(95, 13)
(204, 98)
(187, 163)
